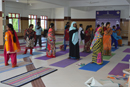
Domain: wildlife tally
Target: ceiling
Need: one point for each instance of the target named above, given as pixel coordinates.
(80, 4)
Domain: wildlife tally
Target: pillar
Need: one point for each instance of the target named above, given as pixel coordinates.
(1, 26)
(67, 15)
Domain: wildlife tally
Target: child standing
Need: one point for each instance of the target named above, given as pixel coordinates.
(11, 46)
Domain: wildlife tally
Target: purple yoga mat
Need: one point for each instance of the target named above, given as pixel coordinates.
(126, 58)
(64, 63)
(127, 50)
(47, 58)
(118, 70)
(44, 50)
(84, 54)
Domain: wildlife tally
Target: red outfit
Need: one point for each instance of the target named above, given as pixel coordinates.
(11, 48)
(13, 58)
(67, 35)
(104, 28)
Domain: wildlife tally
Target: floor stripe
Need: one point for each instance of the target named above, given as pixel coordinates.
(35, 83)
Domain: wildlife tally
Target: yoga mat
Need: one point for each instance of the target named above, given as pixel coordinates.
(27, 55)
(84, 54)
(44, 50)
(113, 49)
(108, 57)
(59, 43)
(9, 67)
(94, 67)
(22, 79)
(22, 43)
(17, 53)
(2, 60)
(47, 58)
(64, 63)
(127, 50)
(34, 47)
(118, 70)
(126, 58)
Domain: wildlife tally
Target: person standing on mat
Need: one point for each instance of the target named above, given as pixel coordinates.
(107, 40)
(38, 31)
(73, 42)
(87, 40)
(81, 34)
(97, 46)
(30, 36)
(51, 49)
(11, 46)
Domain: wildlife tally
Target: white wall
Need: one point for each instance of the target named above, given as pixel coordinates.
(58, 13)
(91, 11)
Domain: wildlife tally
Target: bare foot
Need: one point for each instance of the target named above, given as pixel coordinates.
(91, 62)
(68, 57)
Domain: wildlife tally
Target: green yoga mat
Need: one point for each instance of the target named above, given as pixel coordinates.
(108, 57)
(59, 43)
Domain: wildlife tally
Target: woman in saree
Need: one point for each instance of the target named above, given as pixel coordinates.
(73, 42)
(97, 46)
(107, 40)
(30, 36)
(51, 50)
(87, 40)
(11, 46)
(118, 30)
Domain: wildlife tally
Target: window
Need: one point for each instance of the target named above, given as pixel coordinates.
(14, 18)
(33, 20)
(3, 20)
(44, 22)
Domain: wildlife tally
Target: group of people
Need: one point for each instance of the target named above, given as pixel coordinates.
(99, 40)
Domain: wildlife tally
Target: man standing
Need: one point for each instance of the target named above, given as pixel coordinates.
(38, 30)
(81, 34)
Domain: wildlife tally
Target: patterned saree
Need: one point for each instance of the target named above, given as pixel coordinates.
(51, 44)
(97, 46)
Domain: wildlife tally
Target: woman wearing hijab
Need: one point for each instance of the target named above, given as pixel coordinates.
(73, 42)
(87, 40)
(118, 29)
(107, 40)
(51, 42)
(97, 46)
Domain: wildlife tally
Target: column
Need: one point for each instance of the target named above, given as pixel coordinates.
(129, 29)
(1, 26)
(67, 15)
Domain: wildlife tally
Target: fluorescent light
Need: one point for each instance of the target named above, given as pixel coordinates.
(17, 0)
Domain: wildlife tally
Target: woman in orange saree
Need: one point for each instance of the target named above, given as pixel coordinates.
(51, 42)
(118, 30)
(11, 46)
(107, 40)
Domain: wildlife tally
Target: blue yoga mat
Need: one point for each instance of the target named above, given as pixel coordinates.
(27, 55)
(94, 67)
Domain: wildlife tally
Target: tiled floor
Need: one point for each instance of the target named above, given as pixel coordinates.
(70, 76)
